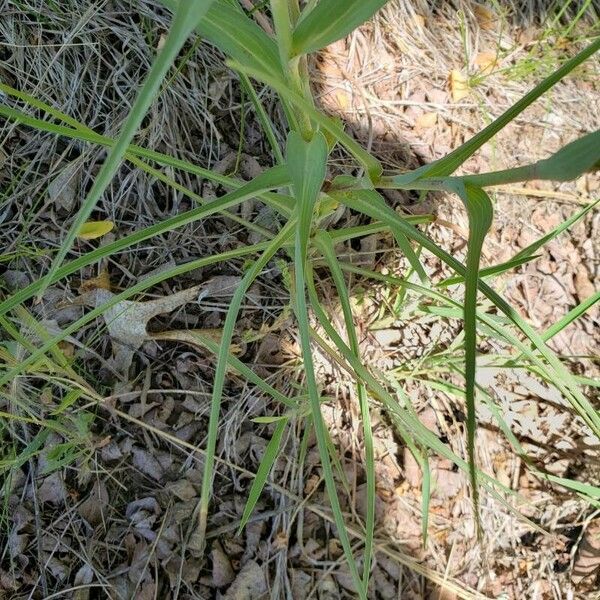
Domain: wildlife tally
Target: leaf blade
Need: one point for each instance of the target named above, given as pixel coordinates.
(331, 20)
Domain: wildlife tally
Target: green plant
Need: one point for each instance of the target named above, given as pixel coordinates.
(294, 188)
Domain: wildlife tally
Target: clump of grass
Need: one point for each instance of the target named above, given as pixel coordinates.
(296, 189)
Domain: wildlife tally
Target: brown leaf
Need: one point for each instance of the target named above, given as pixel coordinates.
(250, 584)
(94, 507)
(219, 286)
(426, 120)
(127, 320)
(485, 16)
(183, 489)
(63, 188)
(583, 285)
(486, 61)
(587, 561)
(147, 464)
(53, 489)
(102, 281)
(222, 571)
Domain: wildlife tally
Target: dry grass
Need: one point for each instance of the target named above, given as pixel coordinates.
(115, 521)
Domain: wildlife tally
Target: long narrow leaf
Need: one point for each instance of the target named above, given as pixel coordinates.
(267, 462)
(449, 163)
(564, 380)
(371, 164)
(480, 212)
(325, 244)
(307, 167)
(221, 371)
(331, 20)
(227, 27)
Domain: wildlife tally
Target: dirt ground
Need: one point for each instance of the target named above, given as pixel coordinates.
(109, 512)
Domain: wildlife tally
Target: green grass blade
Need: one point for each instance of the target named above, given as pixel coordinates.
(399, 236)
(370, 163)
(273, 178)
(307, 167)
(227, 26)
(331, 20)
(492, 271)
(449, 164)
(221, 371)
(325, 244)
(197, 338)
(564, 380)
(527, 254)
(264, 469)
(568, 163)
(532, 248)
(410, 425)
(571, 316)
(263, 118)
(480, 212)
(185, 20)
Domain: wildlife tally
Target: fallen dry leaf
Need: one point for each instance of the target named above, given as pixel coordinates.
(127, 320)
(95, 229)
(486, 61)
(250, 584)
(83, 578)
(419, 20)
(147, 463)
(94, 507)
(587, 561)
(486, 17)
(63, 188)
(183, 489)
(459, 86)
(219, 286)
(53, 489)
(426, 120)
(222, 571)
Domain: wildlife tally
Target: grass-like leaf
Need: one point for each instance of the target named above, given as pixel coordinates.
(221, 371)
(371, 164)
(307, 167)
(331, 20)
(373, 197)
(267, 462)
(480, 212)
(325, 244)
(563, 379)
(449, 163)
(228, 27)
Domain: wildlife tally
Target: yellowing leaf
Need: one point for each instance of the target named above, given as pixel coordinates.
(485, 16)
(426, 120)
(486, 61)
(95, 229)
(459, 86)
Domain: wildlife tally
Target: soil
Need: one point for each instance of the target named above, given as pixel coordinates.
(113, 515)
